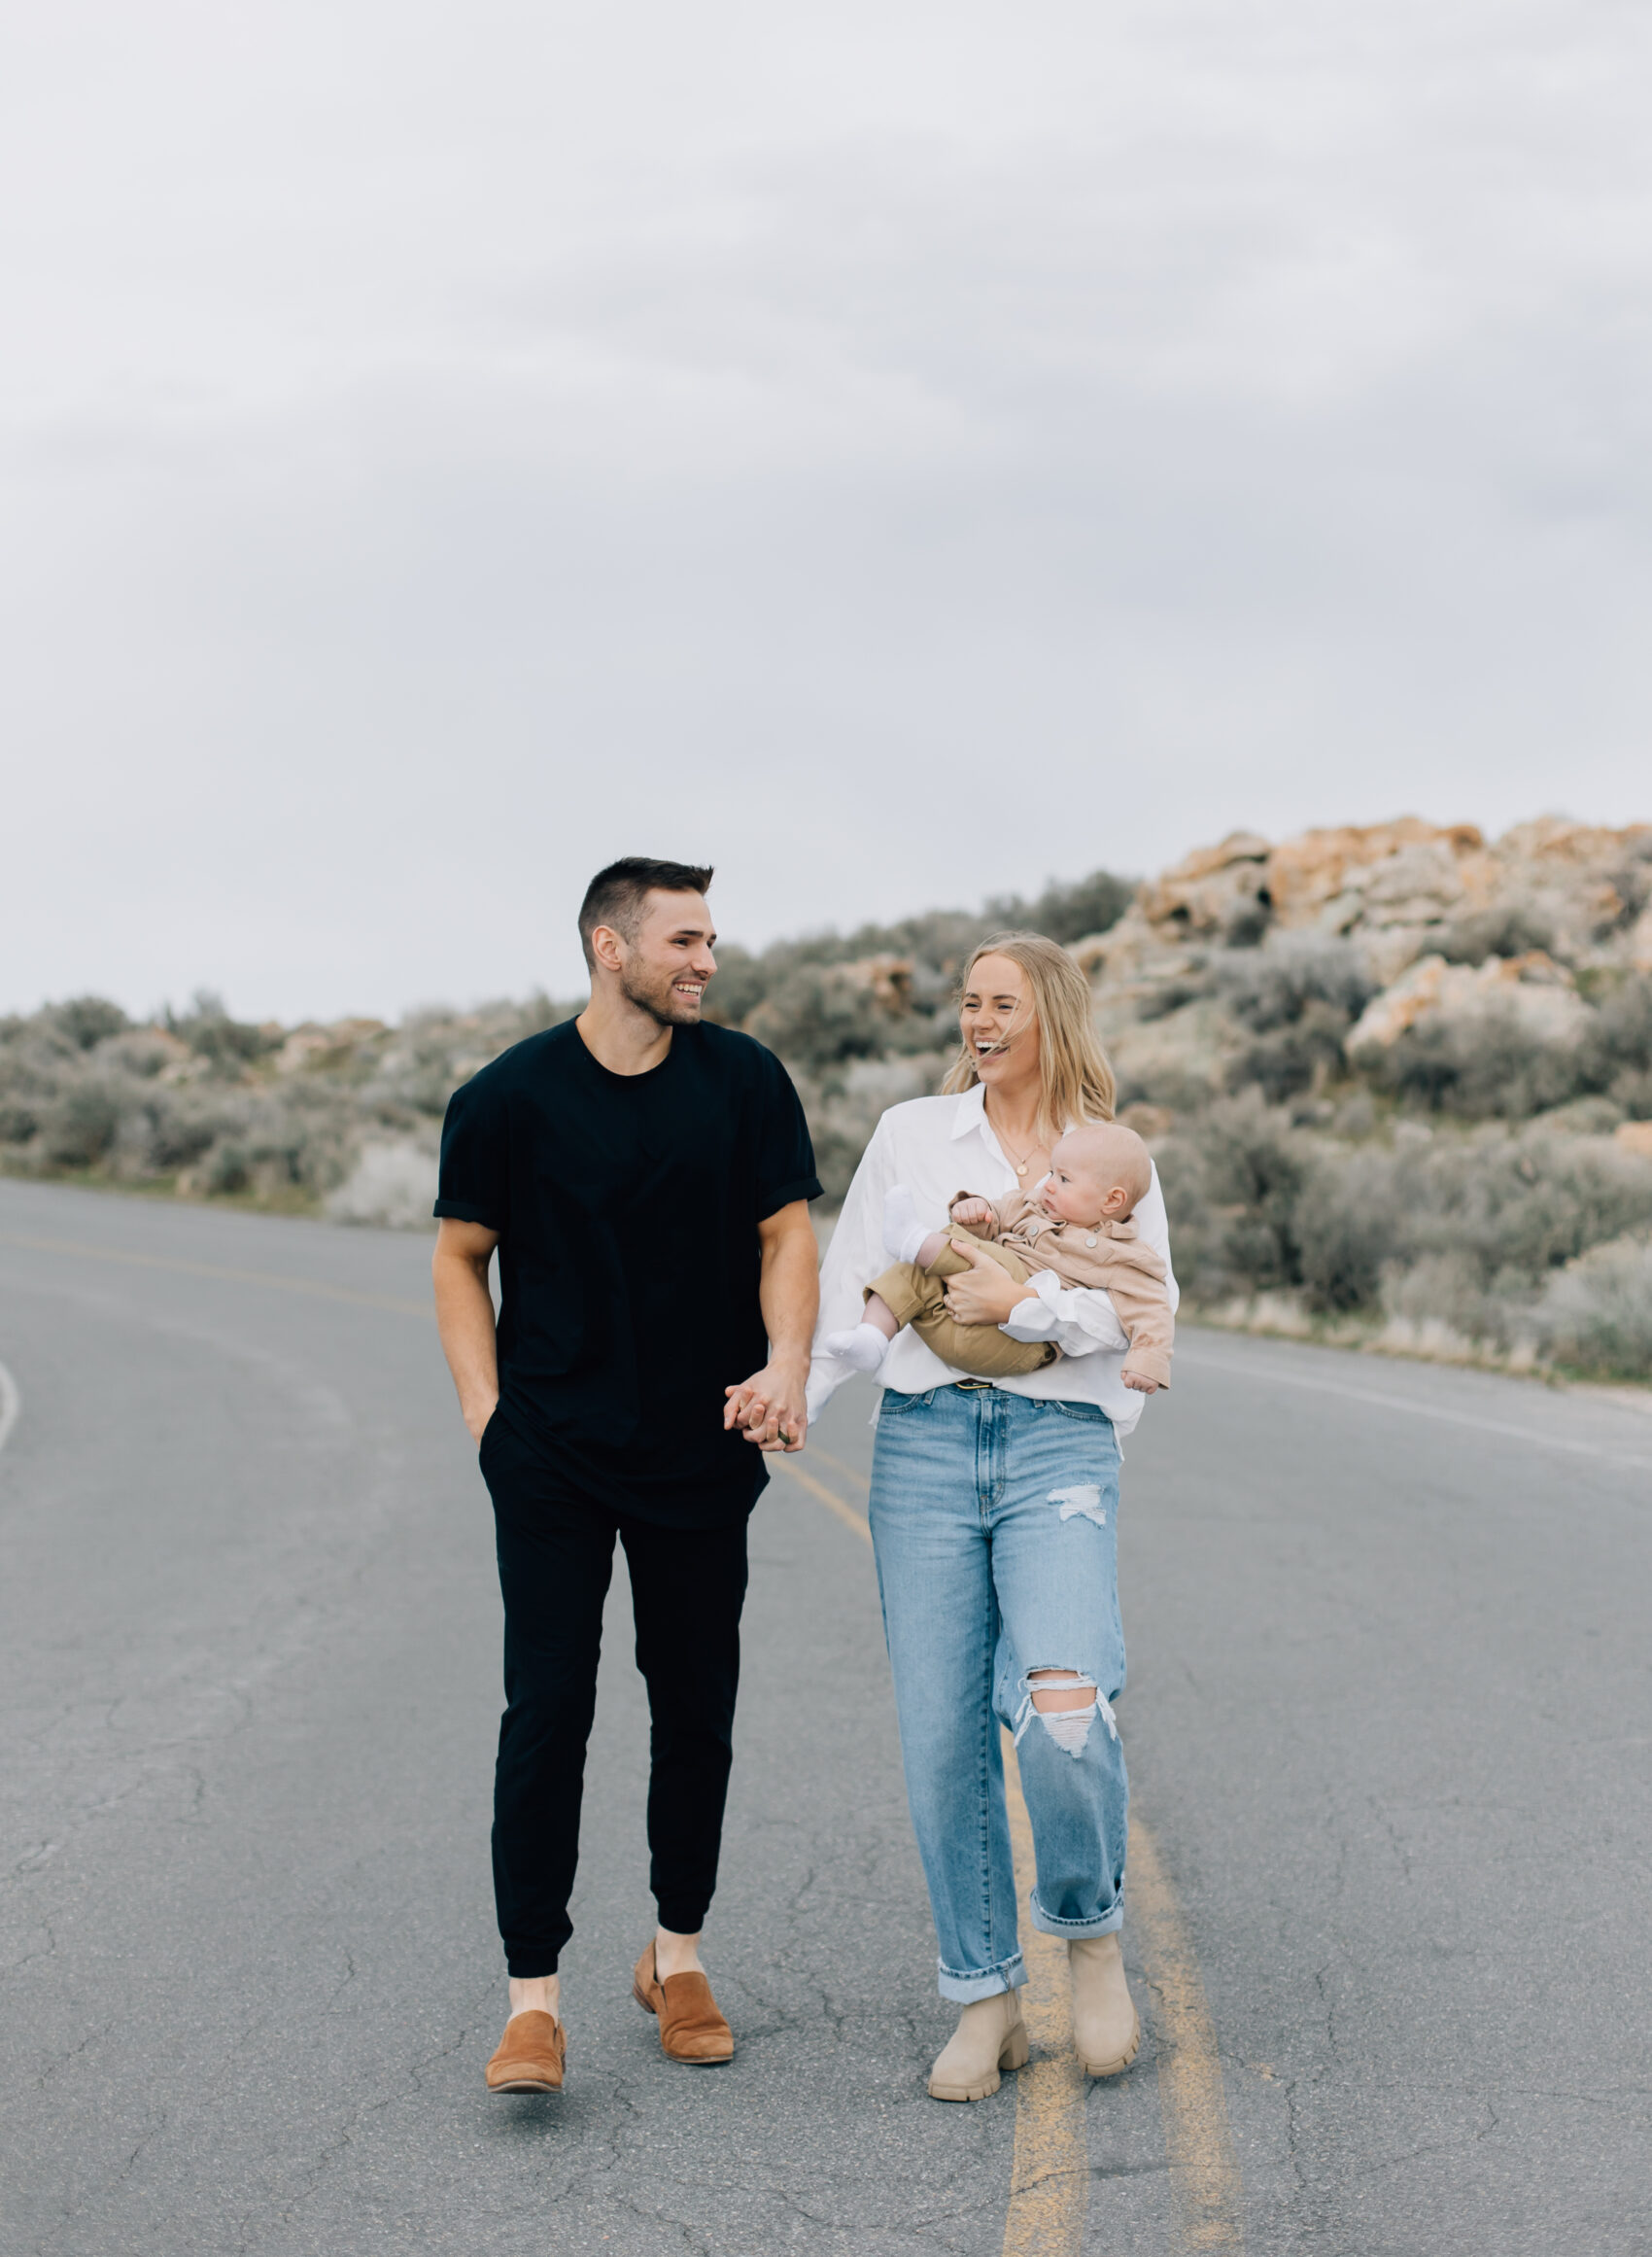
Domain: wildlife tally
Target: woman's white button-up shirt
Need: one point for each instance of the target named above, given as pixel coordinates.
(938, 1147)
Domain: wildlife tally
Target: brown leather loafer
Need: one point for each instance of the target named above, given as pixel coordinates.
(691, 2029)
(530, 2055)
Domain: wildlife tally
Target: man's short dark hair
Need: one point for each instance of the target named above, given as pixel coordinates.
(616, 894)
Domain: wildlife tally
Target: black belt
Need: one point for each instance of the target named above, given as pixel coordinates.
(976, 1386)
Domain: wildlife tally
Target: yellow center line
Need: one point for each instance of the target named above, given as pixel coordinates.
(313, 1287)
(1049, 2171)
(845, 1472)
(818, 1490)
(1049, 2175)
(1205, 2187)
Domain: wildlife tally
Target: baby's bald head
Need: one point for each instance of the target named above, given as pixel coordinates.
(1105, 1155)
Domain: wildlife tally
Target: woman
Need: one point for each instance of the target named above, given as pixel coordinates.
(994, 1518)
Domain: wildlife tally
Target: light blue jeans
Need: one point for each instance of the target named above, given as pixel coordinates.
(995, 1518)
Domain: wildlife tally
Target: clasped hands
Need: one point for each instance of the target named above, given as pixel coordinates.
(770, 1407)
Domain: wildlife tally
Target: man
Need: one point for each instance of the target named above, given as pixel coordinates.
(646, 1179)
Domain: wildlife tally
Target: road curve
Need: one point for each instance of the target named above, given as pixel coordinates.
(1388, 1724)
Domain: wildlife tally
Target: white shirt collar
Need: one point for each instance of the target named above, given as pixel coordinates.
(969, 1112)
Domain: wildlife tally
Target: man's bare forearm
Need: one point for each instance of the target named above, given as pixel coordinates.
(789, 1295)
(772, 1402)
(464, 1320)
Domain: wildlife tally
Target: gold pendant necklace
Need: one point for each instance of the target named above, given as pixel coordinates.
(1021, 1165)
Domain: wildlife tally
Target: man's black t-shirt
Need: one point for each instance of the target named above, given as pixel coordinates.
(627, 1207)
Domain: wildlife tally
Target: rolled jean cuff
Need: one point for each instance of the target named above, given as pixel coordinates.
(965, 1989)
(529, 1967)
(1074, 1931)
(683, 1914)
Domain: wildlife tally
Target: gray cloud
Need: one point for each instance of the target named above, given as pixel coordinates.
(898, 458)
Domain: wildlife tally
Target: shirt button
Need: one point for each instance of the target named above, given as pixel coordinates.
(1090, 1241)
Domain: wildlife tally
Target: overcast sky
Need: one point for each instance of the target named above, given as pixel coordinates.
(896, 452)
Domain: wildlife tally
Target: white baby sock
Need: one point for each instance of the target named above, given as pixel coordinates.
(863, 1347)
(903, 1233)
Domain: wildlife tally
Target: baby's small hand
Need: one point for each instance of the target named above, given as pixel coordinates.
(1142, 1384)
(973, 1214)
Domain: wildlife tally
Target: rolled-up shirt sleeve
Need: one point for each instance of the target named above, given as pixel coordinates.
(1077, 1318)
(475, 1183)
(785, 1153)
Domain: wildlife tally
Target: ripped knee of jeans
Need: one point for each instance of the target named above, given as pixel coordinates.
(1066, 1703)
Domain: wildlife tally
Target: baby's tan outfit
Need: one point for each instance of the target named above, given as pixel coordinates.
(1112, 1257)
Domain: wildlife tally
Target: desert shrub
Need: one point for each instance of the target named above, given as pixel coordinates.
(229, 1169)
(88, 1019)
(140, 1051)
(1348, 1227)
(1616, 1051)
(820, 1017)
(936, 944)
(1446, 1289)
(426, 1085)
(743, 981)
(1512, 930)
(1232, 1181)
(1488, 1067)
(166, 1135)
(1443, 1230)
(1294, 1056)
(1170, 996)
(1068, 912)
(229, 1045)
(1632, 882)
(80, 1126)
(1274, 986)
(1597, 1313)
(1516, 1208)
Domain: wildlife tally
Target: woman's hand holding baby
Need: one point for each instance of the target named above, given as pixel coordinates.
(984, 1294)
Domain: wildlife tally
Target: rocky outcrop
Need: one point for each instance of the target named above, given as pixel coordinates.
(1397, 892)
(1533, 990)
(1279, 963)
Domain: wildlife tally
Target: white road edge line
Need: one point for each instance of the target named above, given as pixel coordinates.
(1517, 1434)
(11, 1402)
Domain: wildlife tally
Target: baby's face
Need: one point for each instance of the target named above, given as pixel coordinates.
(1071, 1192)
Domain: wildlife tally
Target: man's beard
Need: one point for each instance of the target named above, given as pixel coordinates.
(659, 998)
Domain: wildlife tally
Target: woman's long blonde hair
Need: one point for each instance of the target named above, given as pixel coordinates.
(1076, 1081)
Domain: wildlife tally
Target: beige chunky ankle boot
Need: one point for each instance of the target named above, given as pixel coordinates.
(1106, 2035)
(990, 2037)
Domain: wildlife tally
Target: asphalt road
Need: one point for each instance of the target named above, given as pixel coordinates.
(1387, 1723)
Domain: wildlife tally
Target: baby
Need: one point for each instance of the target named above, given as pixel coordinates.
(1076, 1223)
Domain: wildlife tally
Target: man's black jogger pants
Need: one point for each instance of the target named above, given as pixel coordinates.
(555, 1558)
